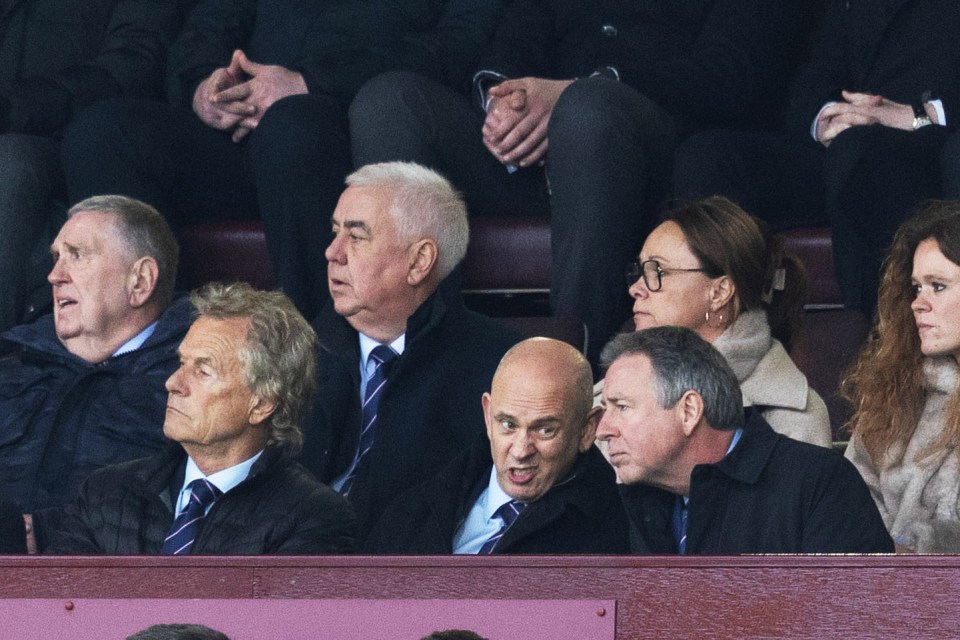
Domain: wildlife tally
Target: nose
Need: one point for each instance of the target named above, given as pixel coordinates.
(522, 445)
(335, 252)
(920, 302)
(174, 383)
(58, 274)
(605, 429)
(638, 290)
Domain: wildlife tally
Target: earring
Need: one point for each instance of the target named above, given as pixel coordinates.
(706, 317)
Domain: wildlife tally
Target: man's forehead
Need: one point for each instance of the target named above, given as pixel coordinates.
(365, 204)
(86, 227)
(212, 338)
(627, 375)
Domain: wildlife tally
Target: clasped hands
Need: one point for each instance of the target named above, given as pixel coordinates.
(858, 109)
(515, 129)
(236, 97)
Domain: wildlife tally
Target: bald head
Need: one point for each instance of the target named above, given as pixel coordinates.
(549, 362)
(539, 416)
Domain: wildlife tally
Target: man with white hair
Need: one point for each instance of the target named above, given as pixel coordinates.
(401, 365)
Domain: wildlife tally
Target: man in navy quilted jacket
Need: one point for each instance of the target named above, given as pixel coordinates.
(85, 385)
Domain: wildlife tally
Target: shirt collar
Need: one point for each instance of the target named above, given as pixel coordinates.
(495, 497)
(224, 480)
(368, 344)
(137, 341)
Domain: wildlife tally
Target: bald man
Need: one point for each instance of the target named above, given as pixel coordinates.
(534, 484)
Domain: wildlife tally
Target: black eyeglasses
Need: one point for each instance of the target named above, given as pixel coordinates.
(652, 273)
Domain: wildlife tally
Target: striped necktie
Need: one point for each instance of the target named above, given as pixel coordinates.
(508, 512)
(185, 528)
(680, 525)
(383, 356)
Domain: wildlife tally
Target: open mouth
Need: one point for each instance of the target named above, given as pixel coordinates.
(521, 476)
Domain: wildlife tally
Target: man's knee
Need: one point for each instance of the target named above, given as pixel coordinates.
(601, 113)
(297, 129)
(380, 97)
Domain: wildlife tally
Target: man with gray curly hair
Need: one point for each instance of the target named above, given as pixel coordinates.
(228, 483)
(402, 362)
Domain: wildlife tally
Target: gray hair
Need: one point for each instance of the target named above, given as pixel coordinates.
(279, 357)
(683, 361)
(145, 233)
(425, 205)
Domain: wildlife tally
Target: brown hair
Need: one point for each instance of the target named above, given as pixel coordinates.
(885, 384)
(729, 241)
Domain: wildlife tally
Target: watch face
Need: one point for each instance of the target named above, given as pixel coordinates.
(919, 122)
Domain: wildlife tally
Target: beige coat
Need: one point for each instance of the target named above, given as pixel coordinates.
(770, 380)
(919, 500)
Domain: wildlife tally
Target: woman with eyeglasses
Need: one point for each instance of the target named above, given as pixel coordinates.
(711, 267)
(904, 386)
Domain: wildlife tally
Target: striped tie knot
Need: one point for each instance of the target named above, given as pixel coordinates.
(508, 512)
(185, 528)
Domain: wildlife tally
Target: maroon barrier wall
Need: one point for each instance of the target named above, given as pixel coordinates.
(746, 597)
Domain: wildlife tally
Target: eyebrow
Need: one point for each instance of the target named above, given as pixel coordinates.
(500, 416)
(67, 246)
(197, 360)
(351, 224)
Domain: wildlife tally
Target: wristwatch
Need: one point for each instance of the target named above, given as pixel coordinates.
(920, 117)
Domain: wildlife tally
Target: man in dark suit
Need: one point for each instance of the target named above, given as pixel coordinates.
(534, 484)
(868, 114)
(401, 362)
(701, 478)
(228, 482)
(599, 93)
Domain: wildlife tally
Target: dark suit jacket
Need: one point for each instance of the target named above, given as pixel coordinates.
(708, 62)
(278, 509)
(60, 56)
(429, 410)
(771, 494)
(581, 515)
(894, 48)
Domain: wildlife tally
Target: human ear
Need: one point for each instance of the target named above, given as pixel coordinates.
(590, 428)
(722, 291)
(260, 409)
(423, 258)
(142, 281)
(690, 411)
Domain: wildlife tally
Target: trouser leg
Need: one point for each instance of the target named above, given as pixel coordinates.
(30, 180)
(300, 154)
(403, 116)
(608, 164)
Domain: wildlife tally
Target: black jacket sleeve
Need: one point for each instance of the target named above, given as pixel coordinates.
(127, 60)
(213, 31)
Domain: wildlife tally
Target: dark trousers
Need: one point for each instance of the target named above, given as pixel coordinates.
(289, 171)
(950, 167)
(607, 163)
(31, 188)
(863, 185)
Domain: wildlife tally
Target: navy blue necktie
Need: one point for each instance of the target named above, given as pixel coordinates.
(680, 525)
(508, 512)
(185, 528)
(383, 356)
